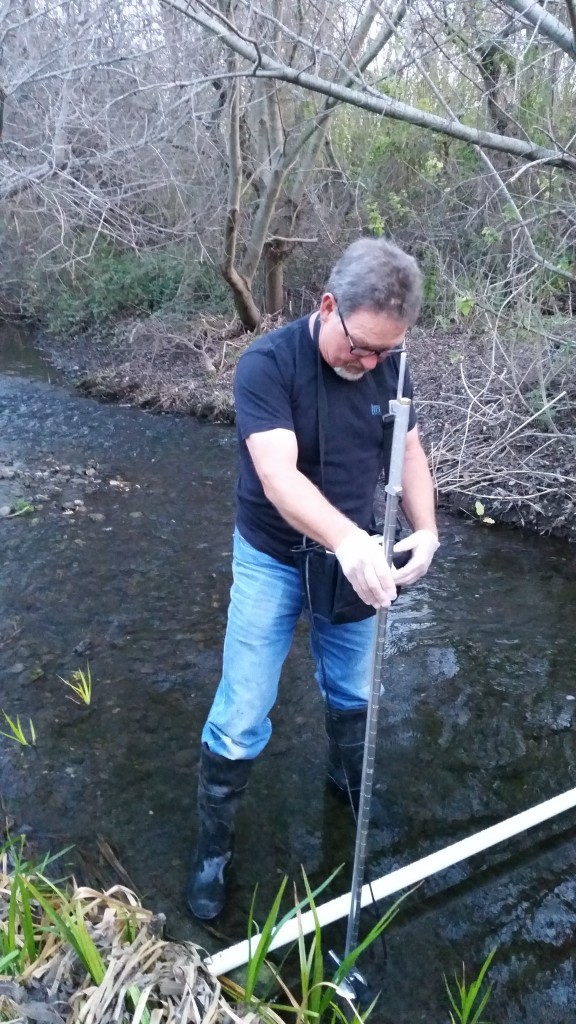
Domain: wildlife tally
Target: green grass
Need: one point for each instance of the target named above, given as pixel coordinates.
(17, 731)
(319, 997)
(21, 938)
(42, 919)
(468, 1002)
(80, 684)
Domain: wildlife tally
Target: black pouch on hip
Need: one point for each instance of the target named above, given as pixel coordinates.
(327, 592)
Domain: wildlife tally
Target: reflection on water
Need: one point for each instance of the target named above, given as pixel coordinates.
(19, 356)
(477, 719)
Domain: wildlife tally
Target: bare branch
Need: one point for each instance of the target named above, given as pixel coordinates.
(546, 23)
(372, 100)
(571, 6)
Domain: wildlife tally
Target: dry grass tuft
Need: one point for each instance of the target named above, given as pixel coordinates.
(147, 979)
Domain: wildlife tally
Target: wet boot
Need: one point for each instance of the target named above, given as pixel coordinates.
(346, 735)
(221, 783)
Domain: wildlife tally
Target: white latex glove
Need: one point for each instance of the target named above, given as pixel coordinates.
(363, 564)
(423, 544)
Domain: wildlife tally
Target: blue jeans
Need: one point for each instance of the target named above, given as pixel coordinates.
(265, 605)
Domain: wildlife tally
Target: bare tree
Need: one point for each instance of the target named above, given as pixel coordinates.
(182, 120)
(260, 65)
(276, 134)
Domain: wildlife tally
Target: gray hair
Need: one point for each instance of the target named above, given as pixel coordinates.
(374, 274)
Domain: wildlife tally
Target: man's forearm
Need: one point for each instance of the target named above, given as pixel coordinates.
(418, 490)
(302, 505)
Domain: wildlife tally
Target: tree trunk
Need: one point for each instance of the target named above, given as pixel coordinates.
(274, 256)
(243, 299)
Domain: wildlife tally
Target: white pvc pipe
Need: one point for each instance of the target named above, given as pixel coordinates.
(235, 956)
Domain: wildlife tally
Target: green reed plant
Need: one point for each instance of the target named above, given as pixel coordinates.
(13, 859)
(319, 998)
(21, 941)
(17, 731)
(21, 508)
(468, 1004)
(81, 684)
(67, 917)
(21, 938)
(7, 962)
(257, 959)
(41, 916)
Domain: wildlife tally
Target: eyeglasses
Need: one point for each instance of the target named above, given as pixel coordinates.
(362, 350)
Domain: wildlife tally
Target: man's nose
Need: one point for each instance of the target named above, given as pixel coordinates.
(369, 361)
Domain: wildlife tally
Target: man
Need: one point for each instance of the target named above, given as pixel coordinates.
(301, 477)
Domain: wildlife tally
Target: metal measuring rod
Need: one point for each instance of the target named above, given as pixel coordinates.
(400, 410)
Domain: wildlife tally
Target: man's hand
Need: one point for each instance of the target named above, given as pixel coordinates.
(363, 564)
(423, 544)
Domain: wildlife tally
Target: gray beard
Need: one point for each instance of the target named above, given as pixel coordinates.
(348, 374)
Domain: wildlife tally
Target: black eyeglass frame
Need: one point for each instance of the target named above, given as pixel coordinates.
(362, 350)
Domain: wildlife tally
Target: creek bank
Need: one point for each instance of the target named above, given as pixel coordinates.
(494, 435)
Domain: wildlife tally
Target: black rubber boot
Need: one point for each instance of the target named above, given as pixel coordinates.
(221, 783)
(346, 734)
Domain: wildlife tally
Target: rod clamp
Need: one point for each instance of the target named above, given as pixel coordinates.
(353, 987)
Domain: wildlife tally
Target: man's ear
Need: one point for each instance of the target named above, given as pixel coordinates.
(327, 305)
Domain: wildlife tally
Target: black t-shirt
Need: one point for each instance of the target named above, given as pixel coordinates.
(276, 385)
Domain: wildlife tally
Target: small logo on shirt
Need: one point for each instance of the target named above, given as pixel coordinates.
(376, 410)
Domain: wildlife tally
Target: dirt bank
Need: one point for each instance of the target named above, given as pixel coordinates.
(498, 420)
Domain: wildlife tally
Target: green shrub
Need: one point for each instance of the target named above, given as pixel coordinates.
(113, 284)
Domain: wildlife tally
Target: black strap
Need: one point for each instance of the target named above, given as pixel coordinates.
(322, 402)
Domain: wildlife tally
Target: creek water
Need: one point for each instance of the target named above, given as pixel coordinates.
(477, 719)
